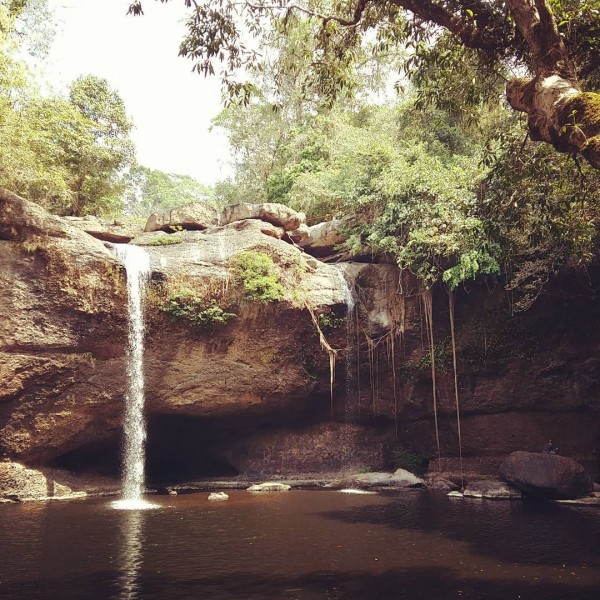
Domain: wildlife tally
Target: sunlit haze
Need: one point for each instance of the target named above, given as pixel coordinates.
(171, 107)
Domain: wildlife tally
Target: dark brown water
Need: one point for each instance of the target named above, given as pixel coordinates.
(301, 544)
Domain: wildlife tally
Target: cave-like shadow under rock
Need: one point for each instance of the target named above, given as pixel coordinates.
(510, 531)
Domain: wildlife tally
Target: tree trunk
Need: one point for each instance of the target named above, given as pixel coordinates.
(558, 111)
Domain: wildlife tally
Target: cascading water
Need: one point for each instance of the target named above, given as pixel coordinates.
(348, 297)
(137, 266)
(350, 326)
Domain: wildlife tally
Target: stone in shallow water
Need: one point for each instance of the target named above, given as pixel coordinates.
(399, 479)
(546, 476)
(218, 496)
(404, 478)
(441, 483)
(269, 486)
(19, 483)
(491, 489)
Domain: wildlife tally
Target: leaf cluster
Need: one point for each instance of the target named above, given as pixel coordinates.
(188, 305)
(164, 240)
(255, 275)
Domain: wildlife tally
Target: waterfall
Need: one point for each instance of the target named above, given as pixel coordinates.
(348, 297)
(350, 327)
(137, 267)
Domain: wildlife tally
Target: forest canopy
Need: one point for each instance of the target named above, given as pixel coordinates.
(550, 48)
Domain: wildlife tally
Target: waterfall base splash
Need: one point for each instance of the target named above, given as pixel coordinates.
(133, 504)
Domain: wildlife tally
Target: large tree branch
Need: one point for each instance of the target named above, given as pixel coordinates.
(557, 111)
(536, 23)
(477, 24)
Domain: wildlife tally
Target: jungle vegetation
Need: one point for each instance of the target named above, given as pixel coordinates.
(418, 123)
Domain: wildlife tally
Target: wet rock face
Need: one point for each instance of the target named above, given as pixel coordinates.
(63, 333)
(60, 312)
(546, 476)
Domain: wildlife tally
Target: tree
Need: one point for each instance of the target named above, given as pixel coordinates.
(96, 147)
(150, 190)
(556, 56)
(68, 154)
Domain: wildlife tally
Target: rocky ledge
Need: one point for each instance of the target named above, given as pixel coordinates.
(254, 397)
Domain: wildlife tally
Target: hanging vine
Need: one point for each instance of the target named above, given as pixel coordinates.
(453, 336)
(331, 352)
(427, 298)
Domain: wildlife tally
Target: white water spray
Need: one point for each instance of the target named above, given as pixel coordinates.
(137, 266)
(348, 297)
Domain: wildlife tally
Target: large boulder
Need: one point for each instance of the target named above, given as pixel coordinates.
(276, 214)
(404, 478)
(322, 238)
(20, 483)
(198, 215)
(114, 232)
(546, 476)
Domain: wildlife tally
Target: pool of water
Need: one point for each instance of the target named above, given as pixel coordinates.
(301, 545)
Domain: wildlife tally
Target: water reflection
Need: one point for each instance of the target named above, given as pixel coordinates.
(131, 558)
(306, 545)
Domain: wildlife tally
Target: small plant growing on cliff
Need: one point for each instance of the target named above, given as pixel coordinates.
(330, 321)
(164, 240)
(187, 304)
(256, 276)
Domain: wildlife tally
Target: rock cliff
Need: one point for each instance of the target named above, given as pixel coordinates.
(253, 396)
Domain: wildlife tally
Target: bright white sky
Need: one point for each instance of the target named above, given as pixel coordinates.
(171, 107)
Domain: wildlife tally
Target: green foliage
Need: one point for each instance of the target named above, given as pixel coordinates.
(443, 182)
(257, 278)
(68, 155)
(255, 134)
(404, 458)
(164, 240)
(190, 306)
(541, 209)
(328, 322)
(422, 367)
(471, 265)
(150, 190)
